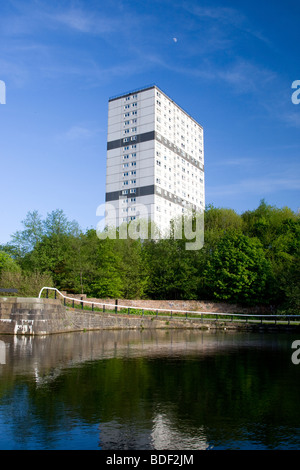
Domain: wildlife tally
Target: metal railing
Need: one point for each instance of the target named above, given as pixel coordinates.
(8, 291)
(178, 314)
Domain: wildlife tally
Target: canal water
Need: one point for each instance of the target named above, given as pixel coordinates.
(143, 390)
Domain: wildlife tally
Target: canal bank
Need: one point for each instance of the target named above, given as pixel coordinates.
(40, 316)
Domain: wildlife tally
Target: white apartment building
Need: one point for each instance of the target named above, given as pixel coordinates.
(155, 158)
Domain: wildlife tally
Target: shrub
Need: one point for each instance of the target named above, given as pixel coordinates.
(28, 284)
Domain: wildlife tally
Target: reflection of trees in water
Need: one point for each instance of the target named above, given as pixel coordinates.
(159, 389)
(39, 355)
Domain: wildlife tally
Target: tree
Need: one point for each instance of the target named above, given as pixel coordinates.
(237, 270)
(107, 281)
(248, 258)
(286, 266)
(28, 284)
(171, 270)
(51, 255)
(221, 219)
(25, 240)
(132, 268)
(291, 286)
(35, 228)
(57, 223)
(278, 229)
(7, 264)
(267, 222)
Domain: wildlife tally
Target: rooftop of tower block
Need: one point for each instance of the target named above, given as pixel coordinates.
(149, 87)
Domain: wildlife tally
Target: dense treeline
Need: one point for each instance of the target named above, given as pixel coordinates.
(251, 259)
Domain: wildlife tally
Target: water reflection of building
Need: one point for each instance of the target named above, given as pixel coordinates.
(162, 436)
(165, 436)
(2, 353)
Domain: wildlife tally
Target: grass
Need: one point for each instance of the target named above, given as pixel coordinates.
(231, 317)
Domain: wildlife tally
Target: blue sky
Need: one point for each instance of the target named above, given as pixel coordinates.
(229, 64)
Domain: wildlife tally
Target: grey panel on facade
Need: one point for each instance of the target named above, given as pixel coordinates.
(141, 191)
(147, 136)
(123, 142)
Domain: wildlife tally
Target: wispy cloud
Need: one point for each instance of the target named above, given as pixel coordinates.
(28, 31)
(228, 16)
(15, 73)
(134, 43)
(241, 75)
(245, 76)
(291, 118)
(278, 105)
(80, 132)
(259, 185)
(81, 21)
(224, 14)
(239, 161)
(27, 18)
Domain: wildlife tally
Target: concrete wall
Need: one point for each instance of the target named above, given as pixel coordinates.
(31, 316)
(190, 305)
(20, 315)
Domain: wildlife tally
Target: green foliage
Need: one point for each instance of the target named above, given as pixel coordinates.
(35, 228)
(28, 284)
(7, 263)
(267, 223)
(237, 270)
(107, 281)
(279, 232)
(221, 219)
(132, 268)
(25, 240)
(171, 274)
(252, 258)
